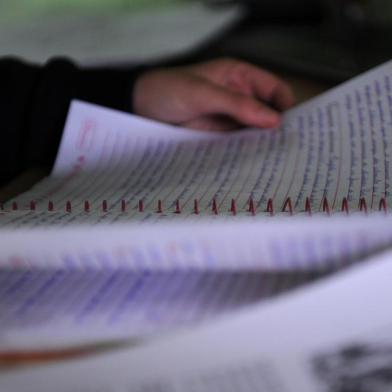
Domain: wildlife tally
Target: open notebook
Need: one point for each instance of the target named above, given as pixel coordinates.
(143, 226)
(332, 153)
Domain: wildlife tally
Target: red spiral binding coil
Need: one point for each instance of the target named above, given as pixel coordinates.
(270, 207)
(326, 208)
(251, 206)
(233, 207)
(288, 206)
(215, 207)
(345, 205)
(382, 205)
(363, 205)
(178, 207)
(196, 207)
(308, 206)
(123, 206)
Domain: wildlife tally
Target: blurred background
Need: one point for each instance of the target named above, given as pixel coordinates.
(96, 31)
(329, 40)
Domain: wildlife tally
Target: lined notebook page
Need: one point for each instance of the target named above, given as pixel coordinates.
(334, 147)
(281, 244)
(337, 333)
(54, 309)
(77, 285)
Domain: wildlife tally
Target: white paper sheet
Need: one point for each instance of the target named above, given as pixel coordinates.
(129, 281)
(330, 337)
(280, 244)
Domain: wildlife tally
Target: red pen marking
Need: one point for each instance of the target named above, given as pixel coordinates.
(32, 205)
(362, 205)
(215, 207)
(68, 206)
(196, 207)
(14, 206)
(287, 205)
(326, 206)
(270, 207)
(345, 205)
(86, 134)
(308, 206)
(50, 206)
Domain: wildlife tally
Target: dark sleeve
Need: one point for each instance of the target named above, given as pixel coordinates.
(34, 102)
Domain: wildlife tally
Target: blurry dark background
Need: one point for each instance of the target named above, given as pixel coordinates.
(329, 40)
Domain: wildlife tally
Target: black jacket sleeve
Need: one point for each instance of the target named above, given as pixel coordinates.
(34, 102)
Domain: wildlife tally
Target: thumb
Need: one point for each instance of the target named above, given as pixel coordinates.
(212, 99)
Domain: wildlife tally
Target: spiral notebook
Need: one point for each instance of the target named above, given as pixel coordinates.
(331, 154)
(143, 226)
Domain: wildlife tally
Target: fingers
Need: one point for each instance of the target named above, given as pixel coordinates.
(249, 80)
(270, 88)
(207, 97)
(212, 99)
(211, 122)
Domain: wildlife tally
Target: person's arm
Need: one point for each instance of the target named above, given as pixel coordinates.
(34, 102)
(216, 95)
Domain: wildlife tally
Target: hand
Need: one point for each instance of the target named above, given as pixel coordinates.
(217, 95)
